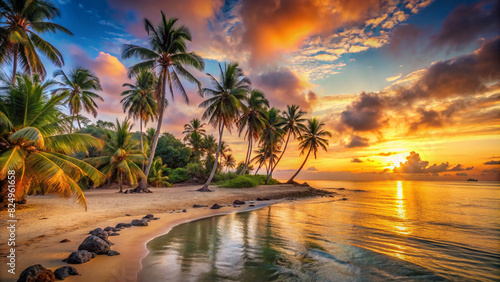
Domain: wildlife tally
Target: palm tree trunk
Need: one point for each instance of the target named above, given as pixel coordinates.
(14, 66)
(249, 152)
(258, 169)
(71, 126)
(143, 182)
(270, 171)
(78, 120)
(205, 187)
(282, 153)
(121, 182)
(290, 181)
(142, 143)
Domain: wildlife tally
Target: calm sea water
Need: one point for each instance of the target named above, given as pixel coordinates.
(410, 231)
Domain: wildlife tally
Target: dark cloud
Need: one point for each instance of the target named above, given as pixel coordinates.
(492, 163)
(430, 118)
(404, 38)
(312, 168)
(356, 160)
(358, 141)
(461, 174)
(492, 170)
(414, 164)
(468, 22)
(365, 113)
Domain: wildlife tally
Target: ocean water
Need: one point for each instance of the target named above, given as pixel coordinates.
(389, 231)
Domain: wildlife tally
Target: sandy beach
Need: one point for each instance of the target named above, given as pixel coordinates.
(46, 220)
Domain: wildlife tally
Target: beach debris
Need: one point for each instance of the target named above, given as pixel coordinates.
(263, 199)
(199, 206)
(238, 202)
(95, 244)
(139, 222)
(123, 225)
(114, 234)
(113, 253)
(65, 271)
(215, 207)
(127, 214)
(80, 256)
(37, 273)
(344, 199)
(65, 241)
(184, 210)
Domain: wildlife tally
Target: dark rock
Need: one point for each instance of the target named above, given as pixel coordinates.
(251, 205)
(113, 253)
(100, 233)
(139, 222)
(184, 210)
(156, 218)
(65, 240)
(359, 190)
(263, 199)
(199, 206)
(341, 189)
(65, 271)
(80, 257)
(126, 192)
(37, 273)
(127, 214)
(150, 216)
(123, 225)
(215, 207)
(146, 219)
(114, 234)
(109, 228)
(344, 199)
(238, 202)
(95, 244)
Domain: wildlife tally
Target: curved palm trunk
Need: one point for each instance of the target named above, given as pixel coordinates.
(214, 168)
(249, 154)
(143, 182)
(14, 66)
(121, 182)
(78, 121)
(142, 143)
(290, 181)
(258, 169)
(270, 171)
(282, 153)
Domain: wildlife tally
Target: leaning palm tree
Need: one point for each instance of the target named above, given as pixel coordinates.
(139, 100)
(272, 135)
(253, 120)
(121, 156)
(168, 54)
(32, 146)
(293, 126)
(224, 104)
(313, 137)
(194, 126)
(22, 20)
(79, 88)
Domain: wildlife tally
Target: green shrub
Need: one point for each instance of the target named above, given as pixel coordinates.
(261, 178)
(178, 175)
(196, 170)
(240, 182)
(223, 177)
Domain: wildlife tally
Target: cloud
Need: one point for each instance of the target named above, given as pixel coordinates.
(414, 164)
(393, 78)
(492, 163)
(358, 141)
(461, 174)
(356, 160)
(492, 170)
(468, 22)
(364, 114)
(312, 168)
(387, 154)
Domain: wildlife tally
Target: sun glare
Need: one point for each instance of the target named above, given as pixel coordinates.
(395, 160)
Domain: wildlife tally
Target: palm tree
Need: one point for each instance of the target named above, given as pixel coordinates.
(121, 156)
(272, 135)
(156, 177)
(30, 143)
(209, 145)
(229, 162)
(293, 126)
(253, 120)
(196, 142)
(224, 151)
(194, 126)
(78, 87)
(225, 104)
(167, 53)
(22, 20)
(313, 137)
(139, 100)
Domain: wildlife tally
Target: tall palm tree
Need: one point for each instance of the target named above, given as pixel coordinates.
(78, 88)
(229, 162)
(294, 124)
(313, 137)
(272, 135)
(194, 126)
(225, 104)
(31, 143)
(196, 142)
(22, 20)
(121, 156)
(168, 54)
(139, 102)
(209, 145)
(253, 120)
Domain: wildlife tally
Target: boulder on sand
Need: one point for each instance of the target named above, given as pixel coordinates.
(123, 225)
(79, 257)
(100, 233)
(95, 244)
(113, 253)
(238, 202)
(65, 271)
(37, 273)
(215, 207)
(140, 222)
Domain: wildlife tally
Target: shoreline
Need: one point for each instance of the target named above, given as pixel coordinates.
(42, 235)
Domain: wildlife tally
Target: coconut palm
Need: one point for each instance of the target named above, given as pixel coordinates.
(294, 124)
(195, 141)
(194, 126)
(313, 137)
(139, 102)
(156, 176)
(253, 120)
(121, 156)
(224, 104)
(209, 145)
(262, 156)
(168, 54)
(272, 135)
(78, 87)
(229, 162)
(30, 143)
(21, 21)
(224, 151)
